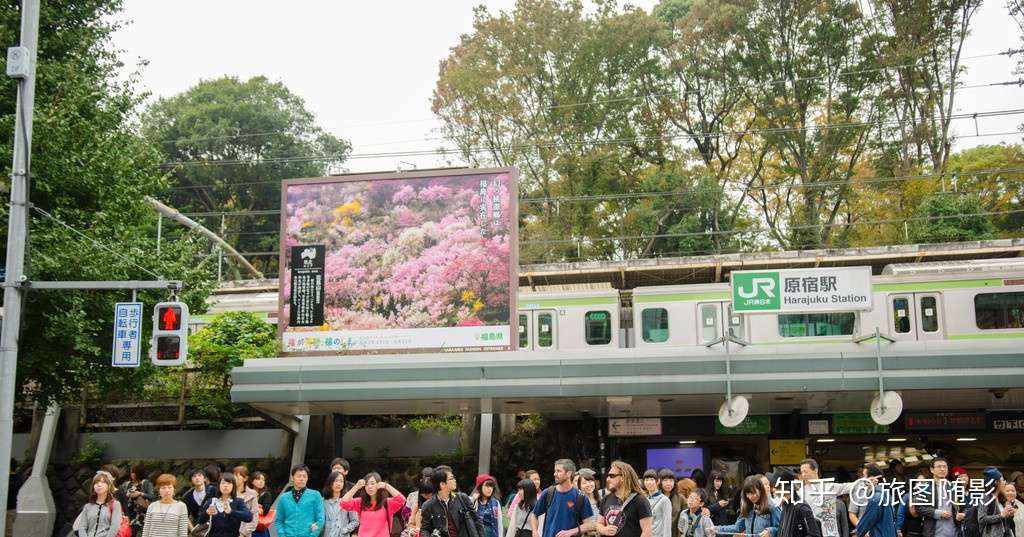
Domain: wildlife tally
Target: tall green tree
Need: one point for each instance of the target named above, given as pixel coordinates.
(808, 75)
(950, 218)
(90, 171)
(226, 145)
(921, 45)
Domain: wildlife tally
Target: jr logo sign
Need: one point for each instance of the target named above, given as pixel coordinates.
(755, 291)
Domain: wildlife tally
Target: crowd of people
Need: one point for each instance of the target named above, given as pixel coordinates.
(940, 502)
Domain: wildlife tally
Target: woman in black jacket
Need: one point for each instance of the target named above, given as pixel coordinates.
(719, 500)
(225, 513)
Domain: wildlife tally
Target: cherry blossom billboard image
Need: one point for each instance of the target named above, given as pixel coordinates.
(409, 262)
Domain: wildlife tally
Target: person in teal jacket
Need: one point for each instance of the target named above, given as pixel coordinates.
(300, 511)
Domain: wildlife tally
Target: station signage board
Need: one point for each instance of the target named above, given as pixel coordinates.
(945, 421)
(787, 451)
(802, 290)
(750, 425)
(856, 423)
(634, 427)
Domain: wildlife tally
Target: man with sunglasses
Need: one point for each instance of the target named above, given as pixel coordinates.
(625, 512)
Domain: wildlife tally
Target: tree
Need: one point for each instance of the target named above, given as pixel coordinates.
(995, 175)
(920, 47)
(90, 170)
(950, 218)
(809, 77)
(216, 349)
(227, 144)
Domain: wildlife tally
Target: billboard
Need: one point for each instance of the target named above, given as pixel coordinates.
(406, 262)
(682, 461)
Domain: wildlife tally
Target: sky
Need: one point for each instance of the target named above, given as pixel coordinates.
(367, 69)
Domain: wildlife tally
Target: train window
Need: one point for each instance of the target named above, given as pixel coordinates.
(655, 325)
(524, 333)
(901, 315)
(545, 330)
(993, 311)
(735, 323)
(929, 314)
(598, 327)
(816, 324)
(709, 322)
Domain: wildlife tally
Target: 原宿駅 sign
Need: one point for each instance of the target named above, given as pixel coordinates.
(802, 290)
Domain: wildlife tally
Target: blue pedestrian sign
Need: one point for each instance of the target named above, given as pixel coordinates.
(127, 334)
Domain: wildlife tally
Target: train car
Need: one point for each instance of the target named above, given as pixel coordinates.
(913, 302)
(570, 320)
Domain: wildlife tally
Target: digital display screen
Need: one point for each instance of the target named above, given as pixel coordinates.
(682, 461)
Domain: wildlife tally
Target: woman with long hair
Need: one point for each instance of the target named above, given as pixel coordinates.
(758, 516)
(225, 512)
(137, 493)
(487, 502)
(519, 515)
(101, 515)
(166, 517)
(337, 521)
(719, 497)
(375, 502)
(249, 496)
(264, 501)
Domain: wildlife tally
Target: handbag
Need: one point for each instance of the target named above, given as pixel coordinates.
(199, 530)
(265, 520)
(125, 530)
(521, 531)
(467, 519)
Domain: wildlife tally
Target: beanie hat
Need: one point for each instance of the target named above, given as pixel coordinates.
(959, 471)
(992, 473)
(480, 479)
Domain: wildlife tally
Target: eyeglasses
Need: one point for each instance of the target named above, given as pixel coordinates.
(614, 475)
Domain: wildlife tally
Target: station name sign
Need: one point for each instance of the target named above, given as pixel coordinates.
(802, 290)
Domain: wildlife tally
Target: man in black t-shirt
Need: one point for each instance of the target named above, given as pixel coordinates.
(625, 511)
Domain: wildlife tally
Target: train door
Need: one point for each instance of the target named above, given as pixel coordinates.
(537, 329)
(916, 316)
(713, 316)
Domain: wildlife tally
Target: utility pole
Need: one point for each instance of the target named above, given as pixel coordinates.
(17, 237)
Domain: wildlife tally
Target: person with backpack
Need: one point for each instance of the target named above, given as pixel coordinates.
(567, 512)
(877, 517)
(449, 513)
(624, 511)
(101, 515)
(993, 520)
(797, 518)
(696, 518)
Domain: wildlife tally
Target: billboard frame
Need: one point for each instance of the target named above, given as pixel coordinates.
(513, 265)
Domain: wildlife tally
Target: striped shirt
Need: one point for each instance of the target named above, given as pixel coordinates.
(166, 520)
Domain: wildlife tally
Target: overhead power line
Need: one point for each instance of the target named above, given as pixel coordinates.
(612, 100)
(854, 182)
(549, 145)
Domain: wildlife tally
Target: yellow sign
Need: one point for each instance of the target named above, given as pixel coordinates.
(787, 451)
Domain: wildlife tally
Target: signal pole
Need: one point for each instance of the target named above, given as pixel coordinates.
(17, 237)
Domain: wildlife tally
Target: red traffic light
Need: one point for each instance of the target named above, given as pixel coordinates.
(169, 318)
(168, 347)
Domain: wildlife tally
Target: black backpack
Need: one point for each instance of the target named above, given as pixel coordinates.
(971, 526)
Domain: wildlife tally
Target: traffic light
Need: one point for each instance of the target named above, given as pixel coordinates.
(170, 334)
